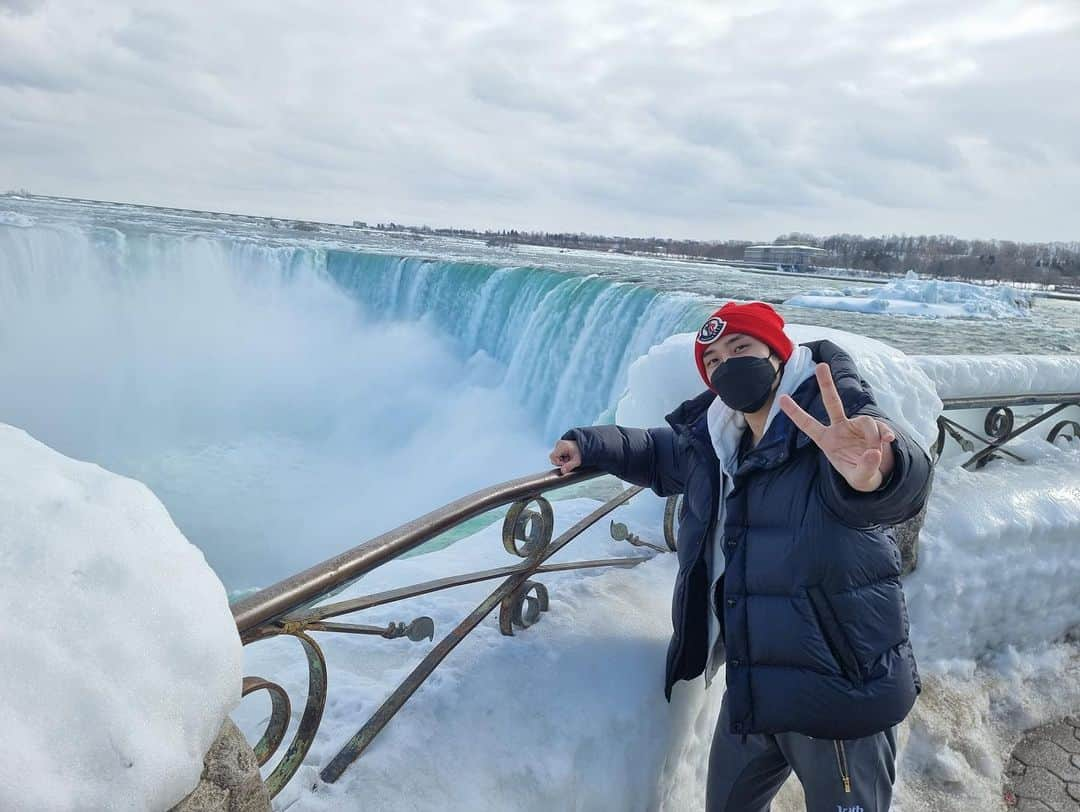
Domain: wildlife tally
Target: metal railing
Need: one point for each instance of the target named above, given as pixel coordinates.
(288, 608)
(999, 425)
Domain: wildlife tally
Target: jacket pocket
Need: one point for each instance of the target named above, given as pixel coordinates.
(834, 635)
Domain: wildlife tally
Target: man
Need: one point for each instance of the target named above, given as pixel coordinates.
(788, 472)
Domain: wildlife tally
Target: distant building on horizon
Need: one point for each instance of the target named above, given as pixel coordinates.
(797, 256)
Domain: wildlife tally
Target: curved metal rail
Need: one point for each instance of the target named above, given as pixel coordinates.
(288, 608)
(322, 579)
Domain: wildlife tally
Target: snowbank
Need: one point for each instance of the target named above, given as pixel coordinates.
(999, 558)
(14, 218)
(956, 741)
(929, 298)
(121, 657)
(957, 376)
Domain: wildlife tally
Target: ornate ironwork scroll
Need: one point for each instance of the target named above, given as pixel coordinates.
(1069, 429)
(1000, 424)
(522, 607)
(672, 509)
(280, 712)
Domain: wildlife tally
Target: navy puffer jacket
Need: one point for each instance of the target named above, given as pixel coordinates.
(811, 606)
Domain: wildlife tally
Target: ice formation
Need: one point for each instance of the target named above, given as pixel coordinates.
(957, 376)
(931, 298)
(121, 658)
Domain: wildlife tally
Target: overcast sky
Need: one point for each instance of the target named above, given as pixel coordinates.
(677, 119)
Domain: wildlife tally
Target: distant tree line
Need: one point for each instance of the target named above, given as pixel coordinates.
(726, 249)
(1054, 263)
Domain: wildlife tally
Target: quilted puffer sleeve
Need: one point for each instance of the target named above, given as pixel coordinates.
(902, 496)
(653, 458)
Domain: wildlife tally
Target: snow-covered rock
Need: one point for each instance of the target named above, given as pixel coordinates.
(121, 658)
(930, 298)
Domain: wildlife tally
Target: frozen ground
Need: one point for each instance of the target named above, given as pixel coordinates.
(121, 658)
(930, 298)
(571, 714)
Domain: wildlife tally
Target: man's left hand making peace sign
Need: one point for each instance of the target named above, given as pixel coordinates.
(859, 448)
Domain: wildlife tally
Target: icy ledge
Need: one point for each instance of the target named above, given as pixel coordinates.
(964, 376)
(121, 658)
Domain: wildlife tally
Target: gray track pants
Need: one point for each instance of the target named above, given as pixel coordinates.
(745, 777)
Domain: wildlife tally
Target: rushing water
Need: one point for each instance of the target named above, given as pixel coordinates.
(289, 393)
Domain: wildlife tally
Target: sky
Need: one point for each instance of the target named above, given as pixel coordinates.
(678, 119)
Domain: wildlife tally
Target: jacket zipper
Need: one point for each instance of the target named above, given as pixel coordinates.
(841, 762)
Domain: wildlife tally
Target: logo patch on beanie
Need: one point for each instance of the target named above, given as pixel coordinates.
(711, 330)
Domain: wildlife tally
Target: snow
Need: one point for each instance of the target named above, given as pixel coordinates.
(957, 376)
(571, 713)
(999, 549)
(929, 298)
(121, 658)
(957, 739)
(14, 218)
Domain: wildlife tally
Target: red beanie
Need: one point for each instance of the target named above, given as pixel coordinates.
(755, 319)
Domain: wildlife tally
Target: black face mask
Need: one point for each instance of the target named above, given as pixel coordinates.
(744, 383)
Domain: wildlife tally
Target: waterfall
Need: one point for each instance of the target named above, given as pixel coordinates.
(286, 400)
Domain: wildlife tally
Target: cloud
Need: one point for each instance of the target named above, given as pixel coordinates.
(14, 7)
(627, 117)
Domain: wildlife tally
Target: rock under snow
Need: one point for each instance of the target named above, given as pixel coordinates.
(121, 658)
(230, 779)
